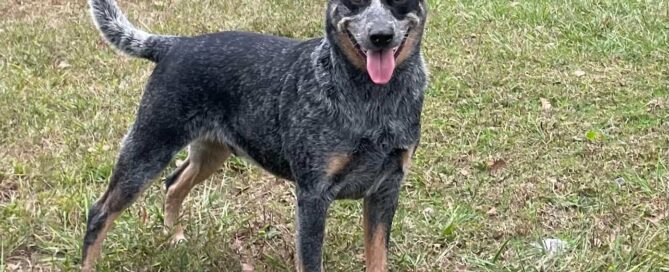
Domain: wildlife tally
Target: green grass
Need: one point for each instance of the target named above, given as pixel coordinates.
(587, 166)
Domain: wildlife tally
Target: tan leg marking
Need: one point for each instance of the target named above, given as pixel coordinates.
(336, 163)
(375, 245)
(204, 159)
(350, 51)
(94, 249)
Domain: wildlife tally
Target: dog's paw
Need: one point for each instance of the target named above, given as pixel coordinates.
(178, 237)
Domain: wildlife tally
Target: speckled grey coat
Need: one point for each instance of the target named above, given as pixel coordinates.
(302, 110)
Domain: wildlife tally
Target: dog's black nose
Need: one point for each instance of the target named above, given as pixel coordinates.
(381, 38)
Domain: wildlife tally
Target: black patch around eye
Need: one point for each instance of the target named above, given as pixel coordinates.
(400, 8)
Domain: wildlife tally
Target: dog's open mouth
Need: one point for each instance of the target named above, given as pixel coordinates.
(380, 63)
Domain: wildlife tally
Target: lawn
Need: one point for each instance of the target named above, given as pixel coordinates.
(543, 120)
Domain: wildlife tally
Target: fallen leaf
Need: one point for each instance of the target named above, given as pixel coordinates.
(7, 189)
(655, 104)
(492, 211)
(613, 236)
(428, 211)
(237, 244)
(552, 246)
(63, 65)
(657, 219)
(14, 267)
(143, 215)
(592, 135)
(545, 104)
(620, 181)
(496, 166)
(247, 268)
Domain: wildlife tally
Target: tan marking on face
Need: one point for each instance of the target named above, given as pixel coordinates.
(375, 249)
(350, 51)
(414, 20)
(409, 45)
(93, 251)
(336, 163)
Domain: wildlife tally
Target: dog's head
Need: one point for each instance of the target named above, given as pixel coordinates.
(376, 35)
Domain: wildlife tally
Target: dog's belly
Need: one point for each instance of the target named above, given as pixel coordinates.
(267, 160)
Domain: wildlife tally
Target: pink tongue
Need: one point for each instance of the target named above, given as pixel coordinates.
(380, 65)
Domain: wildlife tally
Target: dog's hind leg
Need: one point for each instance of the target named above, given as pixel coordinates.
(149, 147)
(204, 158)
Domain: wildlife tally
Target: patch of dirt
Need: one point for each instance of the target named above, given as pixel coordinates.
(7, 189)
(25, 259)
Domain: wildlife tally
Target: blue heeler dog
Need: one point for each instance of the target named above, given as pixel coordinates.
(337, 115)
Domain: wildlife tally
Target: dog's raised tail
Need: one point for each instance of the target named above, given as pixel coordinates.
(120, 33)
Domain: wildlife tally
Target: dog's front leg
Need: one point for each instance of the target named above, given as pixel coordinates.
(312, 207)
(378, 212)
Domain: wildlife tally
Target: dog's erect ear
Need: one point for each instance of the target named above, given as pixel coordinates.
(336, 13)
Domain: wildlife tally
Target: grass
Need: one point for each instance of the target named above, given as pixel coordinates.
(543, 119)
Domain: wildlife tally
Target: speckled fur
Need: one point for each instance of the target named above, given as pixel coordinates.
(287, 105)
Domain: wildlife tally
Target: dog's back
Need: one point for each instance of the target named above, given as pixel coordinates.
(227, 87)
(217, 84)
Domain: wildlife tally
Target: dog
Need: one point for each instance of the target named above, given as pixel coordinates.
(338, 115)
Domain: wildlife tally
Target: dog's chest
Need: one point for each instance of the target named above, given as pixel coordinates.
(379, 137)
(384, 126)
(376, 151)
